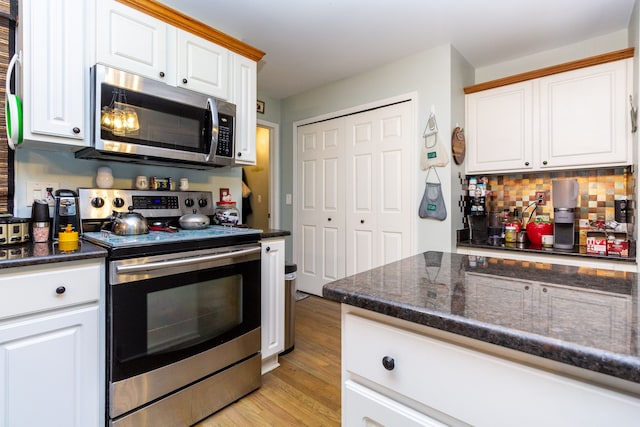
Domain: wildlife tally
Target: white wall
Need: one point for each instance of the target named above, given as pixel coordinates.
(584, 49)
(71, 173)
(429, 74)
(437, 76)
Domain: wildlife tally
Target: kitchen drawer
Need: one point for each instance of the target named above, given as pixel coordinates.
(466, 384)
(27, 290)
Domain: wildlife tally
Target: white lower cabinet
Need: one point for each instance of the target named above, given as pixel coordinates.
(51, 360)
(368, 408)
(397, 373)
(272, 263)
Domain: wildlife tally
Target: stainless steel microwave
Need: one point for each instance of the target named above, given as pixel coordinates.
(141, 120)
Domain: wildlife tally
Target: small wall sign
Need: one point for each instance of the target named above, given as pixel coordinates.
(261, 107)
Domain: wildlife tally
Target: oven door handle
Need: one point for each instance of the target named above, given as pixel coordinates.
(123, 269)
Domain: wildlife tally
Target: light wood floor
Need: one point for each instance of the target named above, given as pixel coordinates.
(305, 389)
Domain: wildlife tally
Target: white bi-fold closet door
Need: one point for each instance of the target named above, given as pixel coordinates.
(354, 194)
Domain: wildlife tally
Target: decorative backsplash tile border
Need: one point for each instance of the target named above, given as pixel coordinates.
(599, 189)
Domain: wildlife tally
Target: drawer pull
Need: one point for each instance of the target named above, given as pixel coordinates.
(388, 363)
(60, 290)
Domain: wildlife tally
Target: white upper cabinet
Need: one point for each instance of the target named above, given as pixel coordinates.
(500, 129)
(54, 86)
(583, 116)
(130, 40)
(574, 119)
(138, 43)
(245, 97)
(202, 66)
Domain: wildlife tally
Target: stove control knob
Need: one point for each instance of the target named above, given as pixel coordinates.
(118, 202)
(97, 202)
(202, 202)
(188, 202)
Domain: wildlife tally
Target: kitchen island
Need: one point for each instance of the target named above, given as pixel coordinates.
(462, 340)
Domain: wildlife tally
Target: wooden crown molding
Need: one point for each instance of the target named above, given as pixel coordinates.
(184, 22)
(555, 69)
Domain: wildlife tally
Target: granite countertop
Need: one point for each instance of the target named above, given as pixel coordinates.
(45, 253)
(542, 309)
(579, 251)
(272, 232)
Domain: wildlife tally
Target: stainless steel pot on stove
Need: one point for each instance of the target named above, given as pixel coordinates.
(128, 223)
(194, 221)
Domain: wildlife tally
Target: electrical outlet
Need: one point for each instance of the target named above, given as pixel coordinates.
(541, 198)
(40, 190)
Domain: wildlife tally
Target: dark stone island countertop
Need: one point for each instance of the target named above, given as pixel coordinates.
(579, 316)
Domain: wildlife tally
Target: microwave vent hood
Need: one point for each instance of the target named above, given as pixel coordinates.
(94, 154)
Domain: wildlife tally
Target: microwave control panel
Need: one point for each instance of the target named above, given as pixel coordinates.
(225, 136)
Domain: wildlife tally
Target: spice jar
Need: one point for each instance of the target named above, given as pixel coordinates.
(40, 221)
(40, 231)
(226, 213)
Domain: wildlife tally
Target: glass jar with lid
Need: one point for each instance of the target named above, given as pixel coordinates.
(226, 213)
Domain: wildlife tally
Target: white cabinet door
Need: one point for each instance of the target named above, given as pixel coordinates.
(365, 407)
(49, 372)
(583, 116)
(245, 97)
(55, 73)
(131, 41)
(598, 321)
(321, 219)
(272, 263)
(377, 187)
(202, 66)
(500, 129)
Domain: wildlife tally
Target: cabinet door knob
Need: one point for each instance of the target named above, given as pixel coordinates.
(388, 363)
(60, 290)
(545, 162)
(526, 163)
(161, 73)
(76, 130)
(362, 221)
(268, 249)
(184, 81)
(239, 153)
(328, 219)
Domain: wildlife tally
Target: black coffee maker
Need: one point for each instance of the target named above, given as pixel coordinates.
(67, 212)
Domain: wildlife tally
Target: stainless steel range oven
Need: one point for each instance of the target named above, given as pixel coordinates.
(183, 313)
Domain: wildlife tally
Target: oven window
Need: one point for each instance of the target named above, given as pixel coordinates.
(182, 317)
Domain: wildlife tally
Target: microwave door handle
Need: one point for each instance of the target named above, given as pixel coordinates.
(213, 109)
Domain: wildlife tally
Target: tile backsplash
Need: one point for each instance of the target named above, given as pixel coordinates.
(599, 188)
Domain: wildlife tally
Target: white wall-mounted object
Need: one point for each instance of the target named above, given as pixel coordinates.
(54, 78)
(569, 120)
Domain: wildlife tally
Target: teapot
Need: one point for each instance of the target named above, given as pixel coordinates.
(128, 223)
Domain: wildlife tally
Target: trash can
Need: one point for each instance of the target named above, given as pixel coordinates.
(289, 307)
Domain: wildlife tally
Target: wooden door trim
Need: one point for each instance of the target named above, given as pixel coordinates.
(555, 69)
(186, 23)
